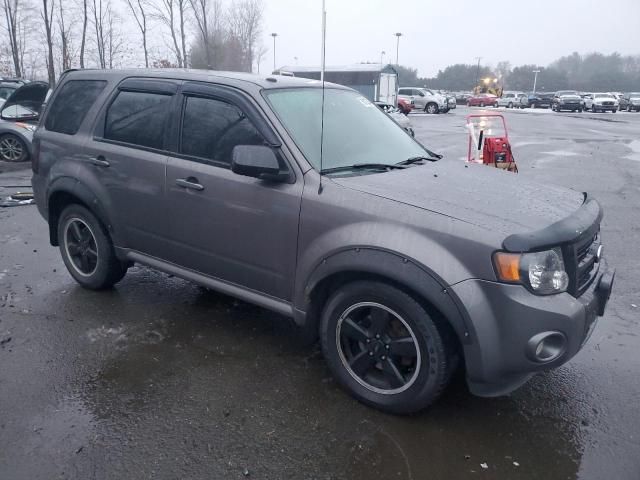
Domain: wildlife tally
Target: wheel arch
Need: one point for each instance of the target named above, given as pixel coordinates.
(67, 191)
(359, 263)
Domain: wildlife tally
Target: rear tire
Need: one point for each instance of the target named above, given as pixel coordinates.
(384, 348)
(87, 250)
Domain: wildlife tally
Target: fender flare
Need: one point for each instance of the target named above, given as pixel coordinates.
(391, 265)
(75, 188)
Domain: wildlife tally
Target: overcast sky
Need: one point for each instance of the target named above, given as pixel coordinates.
(437, 33)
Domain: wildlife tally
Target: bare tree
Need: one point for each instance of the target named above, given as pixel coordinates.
(114, 41)
(83, 40)
(165, 12)
(182, 12)
(202, 11)
(245, 22)
(100, 11)
(47, 15)
(138, 7)
(12, 15)
(65, 38)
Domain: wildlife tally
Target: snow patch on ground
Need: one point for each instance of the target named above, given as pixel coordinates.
(635, 148)
(561, 153)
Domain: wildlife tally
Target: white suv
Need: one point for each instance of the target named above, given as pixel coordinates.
(510, 100)
(424, 99)
(601, 102)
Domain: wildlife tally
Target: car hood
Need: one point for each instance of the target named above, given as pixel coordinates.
(600, 100)
(480, 195)
(570, 97)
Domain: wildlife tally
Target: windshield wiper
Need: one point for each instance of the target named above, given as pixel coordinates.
(418, 159)
(362, 166)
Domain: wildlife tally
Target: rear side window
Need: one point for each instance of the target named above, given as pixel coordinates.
(211, 128)
(138, 118)
(72, 104)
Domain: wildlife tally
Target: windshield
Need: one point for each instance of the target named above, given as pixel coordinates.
(355, 130)
(567, 92)
(603, 95)
(634, 95)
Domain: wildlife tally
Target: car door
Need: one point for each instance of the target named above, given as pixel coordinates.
(128, 153)
(235, 228)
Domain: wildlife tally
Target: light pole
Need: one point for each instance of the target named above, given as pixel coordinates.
(382, 54)
(274, 35)
(477, 71)
(398, 35)
(535, 79)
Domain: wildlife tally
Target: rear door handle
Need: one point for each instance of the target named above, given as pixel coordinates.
(99, 161)
(190, 183)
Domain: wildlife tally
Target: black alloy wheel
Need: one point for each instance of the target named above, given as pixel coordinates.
(385, 348)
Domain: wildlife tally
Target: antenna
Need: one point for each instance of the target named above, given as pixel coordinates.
(322, 66)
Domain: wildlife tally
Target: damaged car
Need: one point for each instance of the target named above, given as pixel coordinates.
(19, 115)
(310, 201)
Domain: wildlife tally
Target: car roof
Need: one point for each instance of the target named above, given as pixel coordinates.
(230, 78)
(10, 84)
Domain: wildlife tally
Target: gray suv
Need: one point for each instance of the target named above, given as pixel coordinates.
(401, 265)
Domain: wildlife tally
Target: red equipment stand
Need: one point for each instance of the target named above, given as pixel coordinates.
(489, 142)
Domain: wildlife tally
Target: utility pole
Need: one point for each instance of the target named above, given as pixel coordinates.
(535, 79)
(398, 35)
(382, 54)
(477, 71)
(274, 35)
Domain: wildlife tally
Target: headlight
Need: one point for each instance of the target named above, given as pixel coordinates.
(542, 272)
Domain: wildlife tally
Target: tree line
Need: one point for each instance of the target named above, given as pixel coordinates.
(51, 36)
(590, 73)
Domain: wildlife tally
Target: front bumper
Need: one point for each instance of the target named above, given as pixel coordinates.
(568, 106)
(604, 107)
(505, 319)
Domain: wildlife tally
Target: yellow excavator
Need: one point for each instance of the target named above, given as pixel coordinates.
(488, 85)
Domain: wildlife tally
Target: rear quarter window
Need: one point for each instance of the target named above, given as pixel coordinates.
(71, 105)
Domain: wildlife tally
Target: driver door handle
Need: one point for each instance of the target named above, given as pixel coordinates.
(190, 183)
(99, 161)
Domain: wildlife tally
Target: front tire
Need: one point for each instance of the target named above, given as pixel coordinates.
(12, 148)
(383, 347)
(87, 250)
(431, 108)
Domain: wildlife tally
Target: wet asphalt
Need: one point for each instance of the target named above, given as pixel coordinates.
(159, 378)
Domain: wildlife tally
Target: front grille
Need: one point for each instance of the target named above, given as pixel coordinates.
(582, 265)
(607, 103)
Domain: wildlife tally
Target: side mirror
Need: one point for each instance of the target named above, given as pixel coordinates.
(257, 161)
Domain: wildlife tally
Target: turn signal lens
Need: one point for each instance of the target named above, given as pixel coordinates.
(507, 266)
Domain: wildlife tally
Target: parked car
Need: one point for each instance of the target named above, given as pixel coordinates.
(451, 99)
(19, 115)
(601, 102)
(397, 116)
(424, 99)
(568, 100)
(540, 100)
(482, 100)
(463, 98)
(388, 256)
(509, 99)
(404, 106)
(630, 102)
